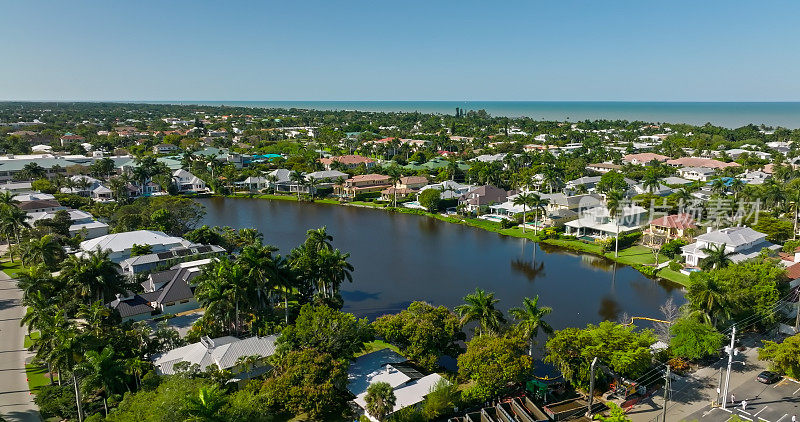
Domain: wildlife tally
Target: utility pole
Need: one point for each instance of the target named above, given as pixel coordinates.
(731, 351)
(719, 387)
(591, 388)
(666, 393)
(797, 318)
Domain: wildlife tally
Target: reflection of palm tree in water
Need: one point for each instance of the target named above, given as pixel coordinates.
(531, 270)
(609, 309)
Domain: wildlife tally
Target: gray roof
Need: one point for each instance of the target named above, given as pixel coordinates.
(574, 201)
(701, 170)
(732, 236)
(585, 180)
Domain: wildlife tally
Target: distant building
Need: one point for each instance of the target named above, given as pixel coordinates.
(164, 149)
(119, 245)
(224, 352)
(700, 162)
(644, 158)
(349, 161)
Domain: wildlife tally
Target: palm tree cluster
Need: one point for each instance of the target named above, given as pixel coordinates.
(479, 308)
(81, 339)
(245, 294)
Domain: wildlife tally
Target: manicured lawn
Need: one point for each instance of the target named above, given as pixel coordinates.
(37, 377)
(11, 268)
(375, 345)
(675, 276)
(575, 245)
(30, 338)
(638, 254)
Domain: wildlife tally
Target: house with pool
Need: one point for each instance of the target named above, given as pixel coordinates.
(598, 222)
(742, 242)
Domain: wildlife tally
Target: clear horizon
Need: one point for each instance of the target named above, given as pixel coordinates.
(626, 51)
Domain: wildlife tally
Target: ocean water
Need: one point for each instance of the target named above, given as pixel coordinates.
(726, 114)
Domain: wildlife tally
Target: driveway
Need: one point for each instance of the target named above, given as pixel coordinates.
(16, 402)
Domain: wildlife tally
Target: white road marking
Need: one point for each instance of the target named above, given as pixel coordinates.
(795, 391)
(779, 420)
(765, 408)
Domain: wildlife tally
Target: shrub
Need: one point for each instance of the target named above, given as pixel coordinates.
(675, 266)
(55, 400)
(671, 248)
(678, 364)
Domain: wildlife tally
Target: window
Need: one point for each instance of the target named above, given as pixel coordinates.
(185, 301)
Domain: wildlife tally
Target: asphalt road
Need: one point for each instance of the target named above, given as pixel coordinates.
(16, 403)
(767, 403)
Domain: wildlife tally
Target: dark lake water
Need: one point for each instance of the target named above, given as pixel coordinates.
(400, 258)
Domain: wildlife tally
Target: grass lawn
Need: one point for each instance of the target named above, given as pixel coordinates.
(638, 254)
(375, 345)
(30, 338)
(675, 276)
(575, 245)
(37, 377)
(11, 268)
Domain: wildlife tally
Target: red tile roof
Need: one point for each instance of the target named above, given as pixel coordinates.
(793, 271)
(676, 221)
(700, 162)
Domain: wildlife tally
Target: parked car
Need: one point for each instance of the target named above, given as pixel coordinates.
(768, 377)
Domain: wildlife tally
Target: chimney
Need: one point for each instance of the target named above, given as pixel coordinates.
(796, 256)
(119, 296)
(708, 229)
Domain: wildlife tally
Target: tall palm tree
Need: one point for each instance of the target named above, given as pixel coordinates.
(708, 296)
(479, 307)
(394, 178)
(650, 181)
(102, 371)
(538, 203)
(524, 199)
(299, 179)
(718, 186)
(45, 250)
(530, 319)
(312, 186)
(220, 289)
(614, 204)
(94, 275)
(8, 198)
(717, 257)
(335, 270)
(736, 186)
(12, 221)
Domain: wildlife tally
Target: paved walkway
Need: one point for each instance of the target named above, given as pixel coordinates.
(16, 403)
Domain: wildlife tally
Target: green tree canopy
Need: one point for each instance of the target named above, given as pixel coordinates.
(430, 199)
(422, 332)
(326, 330)
(784, 357)
(625, 350)
(380, 400)
(491, 363)
(694, 340)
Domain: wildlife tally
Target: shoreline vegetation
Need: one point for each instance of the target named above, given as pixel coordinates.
(638, 257)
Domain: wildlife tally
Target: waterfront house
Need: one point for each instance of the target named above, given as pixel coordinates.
(224, 352)
(644, 158)
(188, 182)
(702, 174)
(363, 184)
(409, 383)
(40, 205)
(744, 242)
(348, 161)
(557, 202)
(481, 197)
(408, 185)
(119, 245)
(449, 189)
(599, 222)
(253, 183)
(669, 227)
(153, 261)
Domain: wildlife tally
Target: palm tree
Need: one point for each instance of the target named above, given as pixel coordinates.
(102, 371)
(394, 177)
(718, 186)
(709, 297)
(94, 275)
(45, 250)
(380, 400)
(298, 178)
(12, 221)
(614, 204)
(479, 307)
(220, 289)
(538, 203)
(312, 186)
(717, 257)
(206, 405)
(531, 318)
(334, 270)
(8, 198)
(736, 186)
(650, 181)
(524, 199)
(319, 238)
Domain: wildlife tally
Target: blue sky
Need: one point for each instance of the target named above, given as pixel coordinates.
(674, 50)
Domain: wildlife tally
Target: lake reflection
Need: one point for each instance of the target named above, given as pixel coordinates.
(400, 258)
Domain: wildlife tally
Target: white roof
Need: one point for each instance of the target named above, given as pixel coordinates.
(326, 174)
(407, 395)
(222, 351)
(281, 174)
(364, 370)
(119, 242)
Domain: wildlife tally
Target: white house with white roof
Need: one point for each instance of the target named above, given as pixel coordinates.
(743, 242)
(188, 182)
(119, 245)
(224, 352)
(598, 221)
(409, 384)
